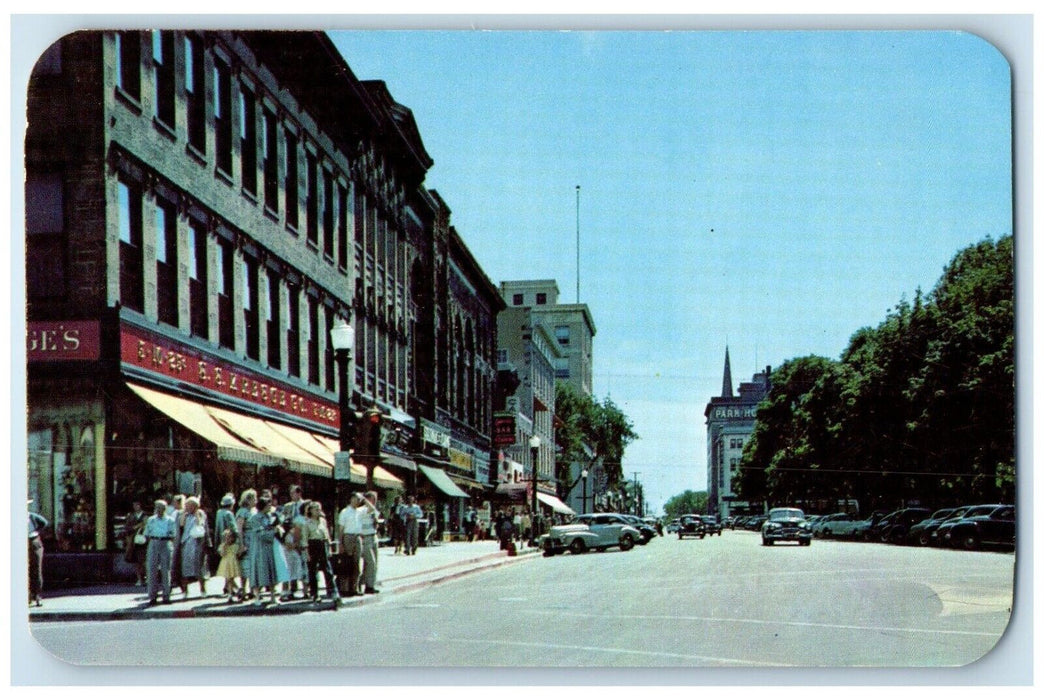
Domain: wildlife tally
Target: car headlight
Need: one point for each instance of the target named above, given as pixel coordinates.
(804, 526)
(772, 526)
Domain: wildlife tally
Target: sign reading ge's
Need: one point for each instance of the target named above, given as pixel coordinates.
(50, 341)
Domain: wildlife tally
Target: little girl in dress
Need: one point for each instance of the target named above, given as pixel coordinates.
(228, 567)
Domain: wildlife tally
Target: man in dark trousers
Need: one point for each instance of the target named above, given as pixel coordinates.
(36, 552)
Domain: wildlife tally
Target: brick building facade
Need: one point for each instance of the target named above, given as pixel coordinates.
(201, 209)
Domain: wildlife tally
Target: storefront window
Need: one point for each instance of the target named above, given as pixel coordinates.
(61, 483)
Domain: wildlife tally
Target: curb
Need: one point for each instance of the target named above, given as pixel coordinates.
(474, 565)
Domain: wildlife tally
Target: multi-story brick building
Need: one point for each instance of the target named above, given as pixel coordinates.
(201, 209)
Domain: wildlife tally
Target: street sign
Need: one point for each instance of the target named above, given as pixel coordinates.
(342, 466)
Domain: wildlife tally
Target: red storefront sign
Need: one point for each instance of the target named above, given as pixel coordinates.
(503, 429)
(141, 349)
(50, 341)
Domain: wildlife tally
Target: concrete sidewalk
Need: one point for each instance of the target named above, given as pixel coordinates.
(396, 573)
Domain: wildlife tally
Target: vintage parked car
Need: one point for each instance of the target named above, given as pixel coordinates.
(941, 536)
(672, 526)
(711, 526)
(867, 529)
(755, 522)
(824, 521)
(893, 527)
(922, 533)
(646, 530)
(597, 531)
(691, 525)
(996, 528)
(786, 524)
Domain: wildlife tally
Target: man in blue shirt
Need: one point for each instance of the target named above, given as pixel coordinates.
(161, 532)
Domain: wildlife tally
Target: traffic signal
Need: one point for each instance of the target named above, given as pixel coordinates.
(368, 445)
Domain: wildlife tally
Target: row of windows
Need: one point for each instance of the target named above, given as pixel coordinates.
(246, 126)
(274, 325)
(274, 149)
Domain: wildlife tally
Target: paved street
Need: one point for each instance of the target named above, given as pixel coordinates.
(718, 602)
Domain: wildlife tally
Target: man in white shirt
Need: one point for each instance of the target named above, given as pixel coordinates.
(368, 516)
(349, 527)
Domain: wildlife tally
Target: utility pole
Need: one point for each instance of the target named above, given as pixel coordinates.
(634, 496)
(578, 244)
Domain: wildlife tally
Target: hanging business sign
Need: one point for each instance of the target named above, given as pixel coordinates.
(503, 430)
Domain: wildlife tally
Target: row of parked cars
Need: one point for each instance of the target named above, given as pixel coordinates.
(967, 527)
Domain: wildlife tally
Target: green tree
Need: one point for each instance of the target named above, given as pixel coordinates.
(686, 502)
(920, 407)
(587, 431)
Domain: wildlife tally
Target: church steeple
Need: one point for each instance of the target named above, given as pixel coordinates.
(726, 381)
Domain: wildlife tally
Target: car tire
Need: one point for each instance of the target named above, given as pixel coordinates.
(923, 539)
(626, 542)
(825, 534)
(680, 536)
(970, 542)
(766, 543)
(577, 546)
(549, 552)
(806, 543)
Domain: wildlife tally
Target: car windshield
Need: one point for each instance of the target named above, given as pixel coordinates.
(786, 514)
(978, 510)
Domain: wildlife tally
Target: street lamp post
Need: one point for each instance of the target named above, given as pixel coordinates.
(583, 494)
(534, 450)
(342, 338)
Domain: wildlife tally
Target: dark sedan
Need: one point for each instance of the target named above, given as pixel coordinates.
(996, 528)
(941, 536)
(691, 526)
(647, 530)
(893, 527)
(922, 533)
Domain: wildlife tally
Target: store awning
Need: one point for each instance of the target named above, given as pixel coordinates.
(512, 489)
(260, 434)
(242, 438)
(195, 418)
(397, 461)
(555, 504)
(465, 482)
(442, 481)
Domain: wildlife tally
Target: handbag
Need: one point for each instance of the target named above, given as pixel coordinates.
(198, 531)
(140, 538)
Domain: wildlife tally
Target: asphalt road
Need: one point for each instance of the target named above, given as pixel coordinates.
(719, 602)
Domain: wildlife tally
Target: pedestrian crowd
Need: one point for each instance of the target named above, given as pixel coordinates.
(266, 551)
(263, 551)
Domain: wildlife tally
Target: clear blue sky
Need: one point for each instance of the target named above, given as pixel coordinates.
(772, 190)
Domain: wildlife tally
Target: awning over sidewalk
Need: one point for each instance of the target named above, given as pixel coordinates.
(194, 417)
(466, 483)
(555, 503)
(243, 438)
(260, 434)
(514, 490)
(442, 481)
